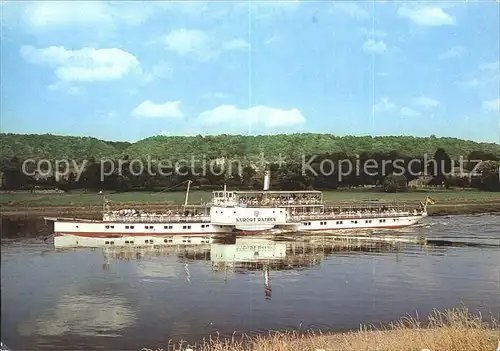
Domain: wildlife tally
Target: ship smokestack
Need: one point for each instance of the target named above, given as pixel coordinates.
(267, 180)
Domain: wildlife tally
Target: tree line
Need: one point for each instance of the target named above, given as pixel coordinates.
(293, 146)
(389, 171)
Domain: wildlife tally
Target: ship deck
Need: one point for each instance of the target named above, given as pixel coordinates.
(151, 219)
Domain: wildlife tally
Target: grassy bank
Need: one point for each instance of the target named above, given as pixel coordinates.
(455, 329)
(89, 204)
(24, 198)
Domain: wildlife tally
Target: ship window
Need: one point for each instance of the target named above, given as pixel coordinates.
(234, 212)
(146, 241)
(150, 241)
(77, 226)
(111, 242)
(131, 242)
(126, 227)
(131, 227)
(107, 227)
(112, 226)
(107, 242)
(183, 227)
(126, 241)
(183, 241)
(189, 227)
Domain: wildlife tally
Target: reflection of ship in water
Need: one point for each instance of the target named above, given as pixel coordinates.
(253, 254)
(258, 253)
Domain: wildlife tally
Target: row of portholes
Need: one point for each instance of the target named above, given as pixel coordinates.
(151, 241)
(353, 222)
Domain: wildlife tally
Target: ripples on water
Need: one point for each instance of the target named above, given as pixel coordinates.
(93, 299)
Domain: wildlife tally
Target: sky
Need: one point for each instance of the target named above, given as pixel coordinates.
(131, 70)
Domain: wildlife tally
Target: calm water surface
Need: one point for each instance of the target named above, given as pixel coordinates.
(103, 299)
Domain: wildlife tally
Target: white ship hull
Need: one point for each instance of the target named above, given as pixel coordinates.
(64, 240)
(359, 223)
(243, 212)
(80, 233)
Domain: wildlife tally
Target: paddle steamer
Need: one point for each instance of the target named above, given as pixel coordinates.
(229, 212)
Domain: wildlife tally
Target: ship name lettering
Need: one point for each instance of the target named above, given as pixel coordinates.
(256, 219)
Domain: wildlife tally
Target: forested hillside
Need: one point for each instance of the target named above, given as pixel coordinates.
(123, 172)
(48, 146)
(55, 147)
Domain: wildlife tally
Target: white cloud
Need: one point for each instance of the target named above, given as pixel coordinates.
(426, 15)
(65, 87)
(267, 9)
(263, 116)
(271, 40)
(377, 47)
(184, 41)
(350, 8)
(492, 105)
(426, 102)
(384, 105)
(108, 114)
(235, 44)
(190, 42)
(491, 66)
(372, 32)
(56, 14)
(454, 52)
(409, 112)
(169, 109)
(472, 83)
(84, 65)
(160, 70)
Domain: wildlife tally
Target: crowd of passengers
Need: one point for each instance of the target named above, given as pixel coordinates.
(277, 201)
(142, 214)
(384, 211)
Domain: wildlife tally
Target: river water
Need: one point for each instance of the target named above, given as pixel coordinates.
(90, 299)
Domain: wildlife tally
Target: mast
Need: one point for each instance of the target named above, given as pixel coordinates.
(187, 193)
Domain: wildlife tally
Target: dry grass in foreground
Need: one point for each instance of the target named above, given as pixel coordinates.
(452, 330)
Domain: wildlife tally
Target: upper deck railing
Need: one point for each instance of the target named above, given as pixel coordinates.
(156, 219)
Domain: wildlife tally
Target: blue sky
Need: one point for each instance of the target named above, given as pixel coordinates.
(130, 70)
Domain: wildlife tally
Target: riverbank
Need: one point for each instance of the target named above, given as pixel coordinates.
(94, 211)
(455, 329)
(89, 205)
